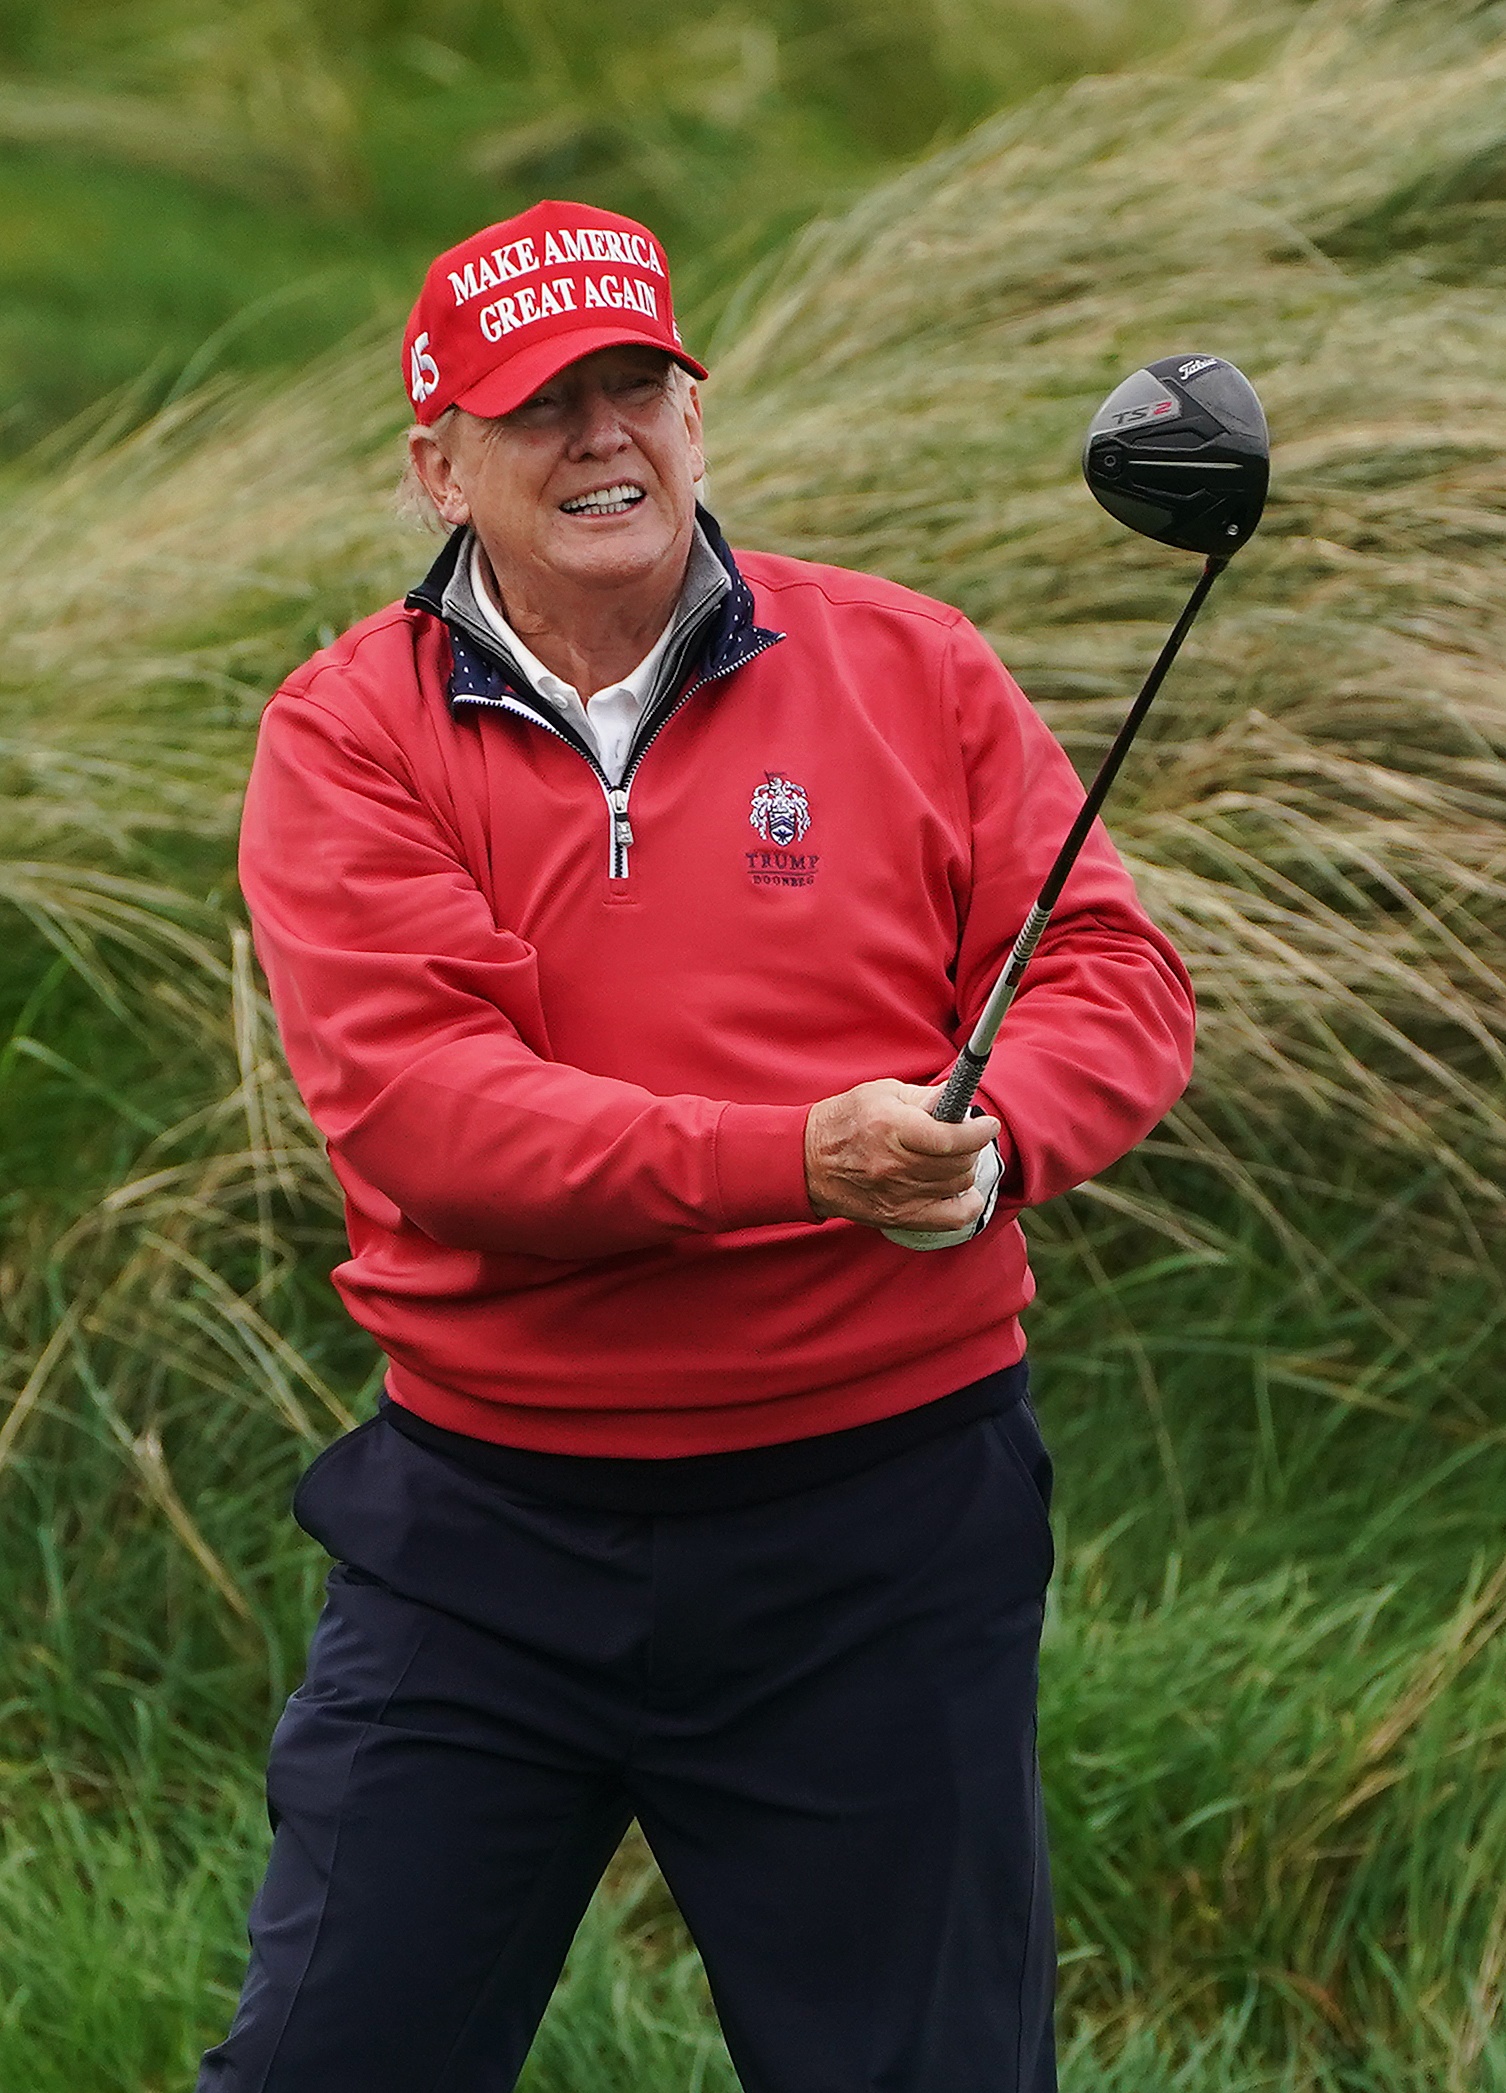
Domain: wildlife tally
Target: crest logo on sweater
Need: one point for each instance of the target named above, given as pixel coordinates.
(781, 814)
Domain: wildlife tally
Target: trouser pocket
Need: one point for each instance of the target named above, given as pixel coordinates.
(1018, 1433)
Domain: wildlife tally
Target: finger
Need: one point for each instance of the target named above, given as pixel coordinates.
(939, 1177)
(928, 1099)
(937, 1214)
(942, 1136)
(923, 1135)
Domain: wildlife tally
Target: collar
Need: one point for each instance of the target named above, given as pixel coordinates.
(638, 681)
(713, 631)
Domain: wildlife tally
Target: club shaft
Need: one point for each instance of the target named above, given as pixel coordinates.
(967, 1071)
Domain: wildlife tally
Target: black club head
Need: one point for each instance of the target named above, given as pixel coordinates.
(1180, 452)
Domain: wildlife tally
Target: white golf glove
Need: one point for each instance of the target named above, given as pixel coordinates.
(988, 1172)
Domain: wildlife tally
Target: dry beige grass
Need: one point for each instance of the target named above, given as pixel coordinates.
(160, 584)
(1319, 817)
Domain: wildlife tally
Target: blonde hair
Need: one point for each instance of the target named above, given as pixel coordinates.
(411, 498)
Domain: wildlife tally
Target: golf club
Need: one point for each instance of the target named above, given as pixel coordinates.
(1179, 452)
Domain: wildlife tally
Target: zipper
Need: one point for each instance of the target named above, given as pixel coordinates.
(617, 797)
(622, 829)
(619, 826)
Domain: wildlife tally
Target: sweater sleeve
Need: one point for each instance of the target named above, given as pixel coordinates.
(415, 1030)
(1097, 1045)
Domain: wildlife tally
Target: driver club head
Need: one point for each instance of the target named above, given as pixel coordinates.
(1180, 452)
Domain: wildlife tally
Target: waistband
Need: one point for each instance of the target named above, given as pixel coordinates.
(711, 1482)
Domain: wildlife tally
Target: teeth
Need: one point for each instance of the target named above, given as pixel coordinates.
(604, 501)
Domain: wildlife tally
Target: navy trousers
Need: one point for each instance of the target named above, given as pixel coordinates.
(820, 1710)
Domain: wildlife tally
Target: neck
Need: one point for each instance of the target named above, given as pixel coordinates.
(589, 638)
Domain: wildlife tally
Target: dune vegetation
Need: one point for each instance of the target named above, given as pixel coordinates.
(1269, 1348)
(188, 186)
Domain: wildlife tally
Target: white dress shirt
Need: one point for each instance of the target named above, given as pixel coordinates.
(608, 717)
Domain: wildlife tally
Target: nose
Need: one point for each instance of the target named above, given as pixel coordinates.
(598, 431)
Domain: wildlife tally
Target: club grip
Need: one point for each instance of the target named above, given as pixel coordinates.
(961, 1088)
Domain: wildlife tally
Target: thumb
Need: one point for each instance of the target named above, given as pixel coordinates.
(922, 1095)
(943, 1137)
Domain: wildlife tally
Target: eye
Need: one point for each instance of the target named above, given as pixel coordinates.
(537, 407)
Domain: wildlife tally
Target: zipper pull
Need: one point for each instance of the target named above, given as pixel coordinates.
(622, 828)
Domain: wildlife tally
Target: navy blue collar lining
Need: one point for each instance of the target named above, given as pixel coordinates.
(479, 675)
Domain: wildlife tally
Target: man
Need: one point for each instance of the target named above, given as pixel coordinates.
(623, 902)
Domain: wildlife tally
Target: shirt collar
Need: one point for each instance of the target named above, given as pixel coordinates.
(462, 605)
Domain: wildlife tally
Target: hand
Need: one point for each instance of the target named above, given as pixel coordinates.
(988, 1175)
(875, 1155)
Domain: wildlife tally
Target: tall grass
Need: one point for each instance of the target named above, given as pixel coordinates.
(1270, 1347)
(189, 185)
(1318, 816)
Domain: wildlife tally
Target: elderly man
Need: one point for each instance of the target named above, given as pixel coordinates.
(621, 900)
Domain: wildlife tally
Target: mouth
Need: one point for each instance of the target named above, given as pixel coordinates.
(605, 501)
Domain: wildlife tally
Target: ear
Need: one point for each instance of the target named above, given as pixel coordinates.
(691, 404)
(436, 472)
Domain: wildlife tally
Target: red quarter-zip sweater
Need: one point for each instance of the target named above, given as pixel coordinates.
(564, 1087)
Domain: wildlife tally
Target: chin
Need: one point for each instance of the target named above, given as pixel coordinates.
(622, 555)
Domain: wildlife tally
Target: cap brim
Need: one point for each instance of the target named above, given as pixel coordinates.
(522, 375)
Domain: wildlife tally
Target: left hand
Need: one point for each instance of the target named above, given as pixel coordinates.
(988, 1175)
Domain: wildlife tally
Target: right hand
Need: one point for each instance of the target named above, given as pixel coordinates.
(875, 1155)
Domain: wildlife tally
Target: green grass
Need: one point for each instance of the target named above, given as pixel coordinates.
(198, 187)
(125, 1949)
(1214, 1714)
(1269, 1348)
(1272, 1698)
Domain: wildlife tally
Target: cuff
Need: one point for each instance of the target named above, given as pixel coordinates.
(760, 1165)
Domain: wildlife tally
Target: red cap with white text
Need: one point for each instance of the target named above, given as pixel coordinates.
(506, 310)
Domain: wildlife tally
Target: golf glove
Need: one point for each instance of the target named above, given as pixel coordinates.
(988, 1172)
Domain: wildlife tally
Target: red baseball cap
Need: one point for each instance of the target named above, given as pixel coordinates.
(501, 313)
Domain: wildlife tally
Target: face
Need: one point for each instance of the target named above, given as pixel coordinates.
(588, 485)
